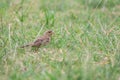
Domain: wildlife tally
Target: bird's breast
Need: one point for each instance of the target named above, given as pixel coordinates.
(46, 41)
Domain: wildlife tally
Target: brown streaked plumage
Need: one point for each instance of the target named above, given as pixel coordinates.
(43, 40)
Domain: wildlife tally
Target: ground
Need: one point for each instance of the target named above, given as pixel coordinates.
(85, 44)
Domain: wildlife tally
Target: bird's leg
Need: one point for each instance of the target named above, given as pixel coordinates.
(36, 50)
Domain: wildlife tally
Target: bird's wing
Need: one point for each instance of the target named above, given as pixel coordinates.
(38, 42)
(45, 40)
(41, 41)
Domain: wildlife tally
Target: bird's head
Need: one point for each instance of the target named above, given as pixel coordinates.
(49, 33)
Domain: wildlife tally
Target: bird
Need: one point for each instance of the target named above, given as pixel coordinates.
(40, 41)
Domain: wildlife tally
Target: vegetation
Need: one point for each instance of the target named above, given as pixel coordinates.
(85, 44)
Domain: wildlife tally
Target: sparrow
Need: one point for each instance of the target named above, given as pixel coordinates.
(41, 41)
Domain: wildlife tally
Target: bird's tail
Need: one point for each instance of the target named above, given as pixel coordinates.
(25, 46)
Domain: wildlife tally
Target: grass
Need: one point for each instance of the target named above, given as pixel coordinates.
(85, 46)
